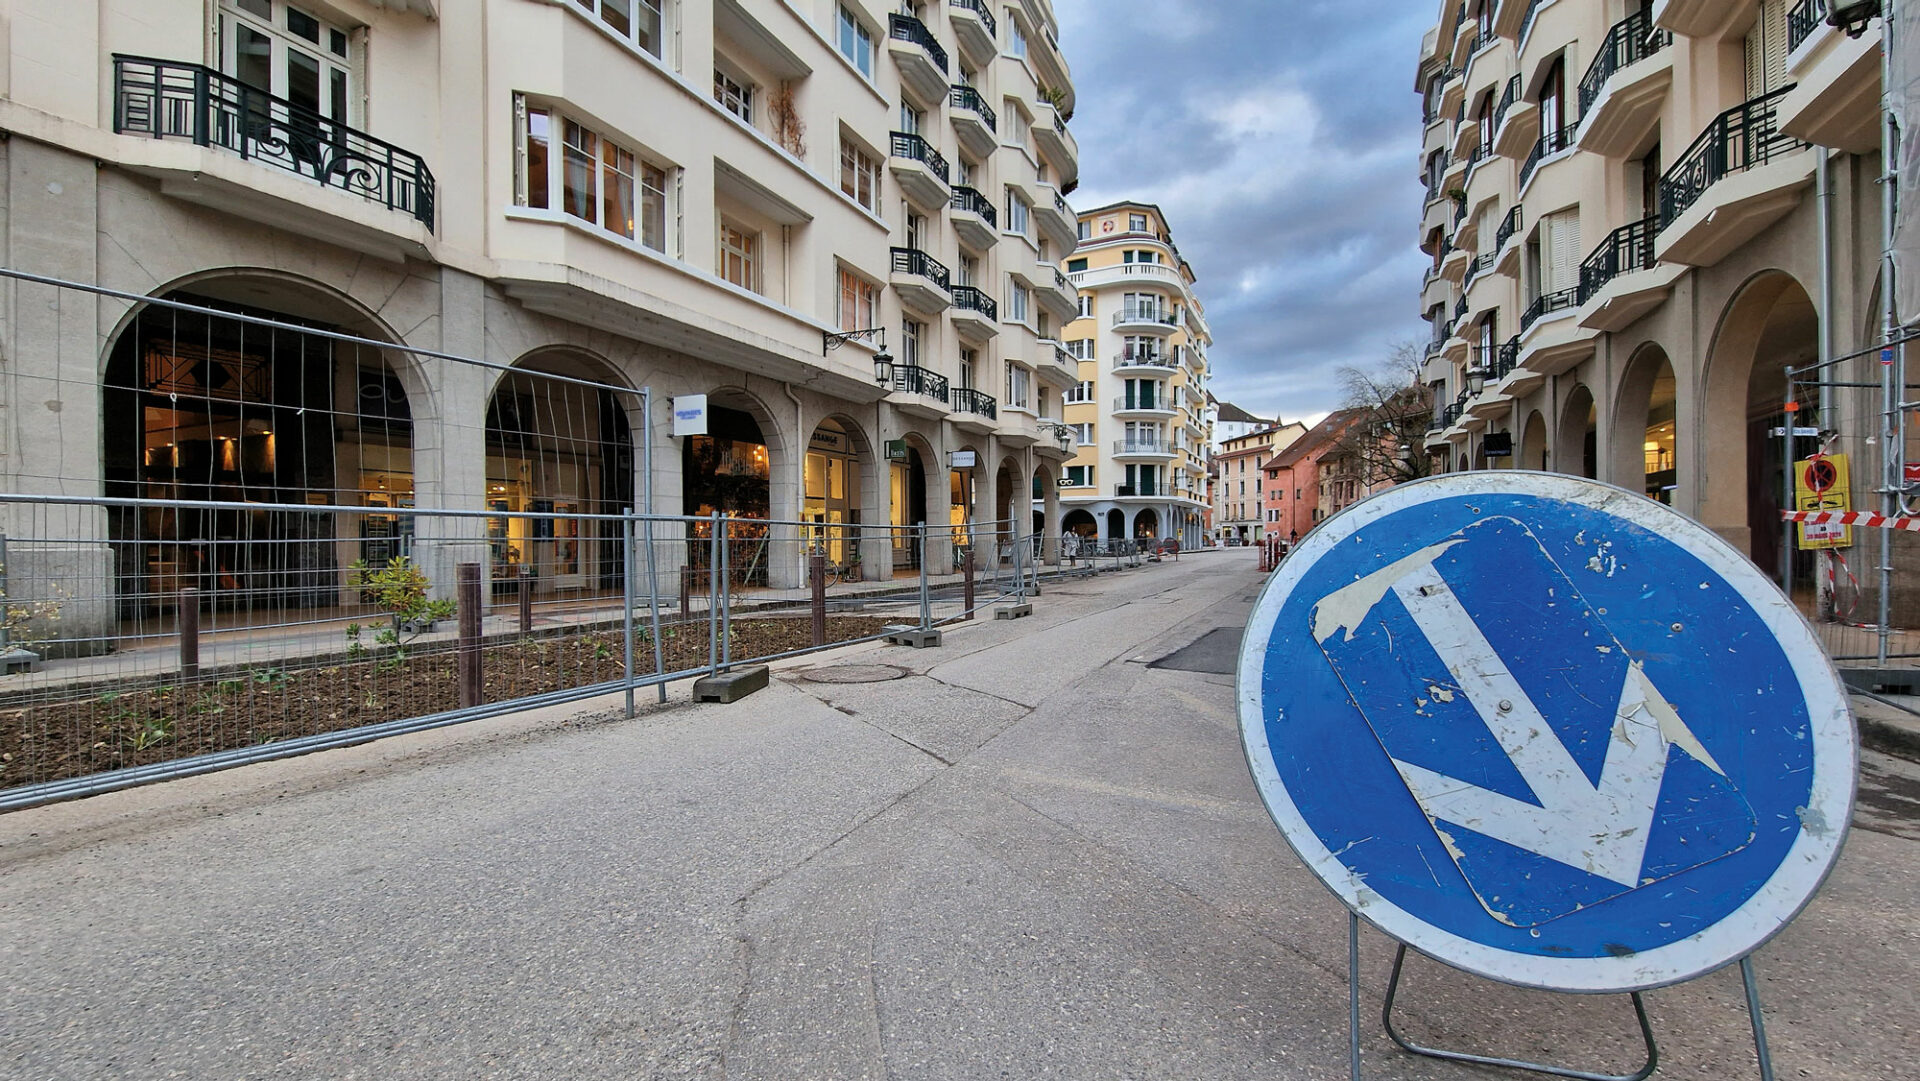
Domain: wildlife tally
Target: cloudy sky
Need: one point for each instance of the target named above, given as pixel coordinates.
(1281, 138)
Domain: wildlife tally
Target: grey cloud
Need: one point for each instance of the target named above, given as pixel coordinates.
(1280, 137)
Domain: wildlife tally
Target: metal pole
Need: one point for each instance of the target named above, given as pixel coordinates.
(1759, 1023)
(626, 606)
(713, 594)
(817, 579)
(726, 596)
(926, 598)
(1823, 169)
(646, 503)
(1787, 425)
(966, 589)
(1353, 995)
(1893, 368)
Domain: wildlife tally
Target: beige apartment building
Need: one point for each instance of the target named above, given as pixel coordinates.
(1239, 489)
(699, 197)
(1138, 409)
(1640, 214)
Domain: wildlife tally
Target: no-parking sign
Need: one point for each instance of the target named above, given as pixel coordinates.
(1546, 730)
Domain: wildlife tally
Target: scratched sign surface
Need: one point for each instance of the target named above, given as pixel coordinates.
(1546, 730)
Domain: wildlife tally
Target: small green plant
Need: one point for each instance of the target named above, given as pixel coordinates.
(230, 686)
(601, 651)
(154, 731)
(401, 588)
(272, 677)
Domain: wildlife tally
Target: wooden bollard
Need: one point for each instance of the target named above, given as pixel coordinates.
(968, 594)
(467, 604)
(526, 599)
(817, 575)
(189, 612)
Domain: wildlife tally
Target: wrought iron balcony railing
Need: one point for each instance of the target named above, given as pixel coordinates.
(1551, 142)
(1480, 265)
(980, 8)
(969, 400)
(1508, 358)
(967, 199)
(1548, 302)
(1631, 40)
(1507, 98)
(1460, 309)
(915, 148)
(1508, 226)
(1152, 403)
(1803, 19)
(1627, 248)
(914, 379)
(1739, 139)
(968, 298)
(1160, 316)
(1142, 446)
(1142, 358)
(164, 99)
(915, 261)
(966, 97)
(907, 28)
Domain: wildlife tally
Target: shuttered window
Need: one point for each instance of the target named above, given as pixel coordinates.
(1560, 251)
(1766, 49)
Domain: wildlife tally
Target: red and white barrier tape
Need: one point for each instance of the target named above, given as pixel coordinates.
(1864, 519)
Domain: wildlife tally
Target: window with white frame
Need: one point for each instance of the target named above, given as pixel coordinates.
(1019, 213)
(1086, 307)
(738, 255)
(1019, 299)
(1016, 38)
(1081, 348)
(1081, 392)
(1086, 230)
(633, 21)
(859, 302)
(1016, 122)
(1019, 381)
(859, 174)
(1077, 476)
(288, 52)
(965, 373)
(856, 41)
(589, 176)
(1083, 433)
(911, 333)
(1136, 223)
(735, 95)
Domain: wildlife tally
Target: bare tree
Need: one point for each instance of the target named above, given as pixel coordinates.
(1385, 441)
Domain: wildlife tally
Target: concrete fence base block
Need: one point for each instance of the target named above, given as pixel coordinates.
(730, 686)
(913, 636)
(1013, 611)
(20, 660)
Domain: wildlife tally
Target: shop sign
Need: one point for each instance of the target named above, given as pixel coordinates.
(689, 415)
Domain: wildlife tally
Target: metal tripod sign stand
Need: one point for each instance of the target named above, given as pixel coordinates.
(1549, 732)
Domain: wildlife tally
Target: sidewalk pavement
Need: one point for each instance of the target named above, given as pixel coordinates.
(1034, 853)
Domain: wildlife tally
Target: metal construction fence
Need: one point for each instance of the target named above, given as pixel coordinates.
(139, 657)
(1843, 446)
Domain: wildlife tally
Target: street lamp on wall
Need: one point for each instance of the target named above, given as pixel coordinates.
(882, 360)
(1476, 380)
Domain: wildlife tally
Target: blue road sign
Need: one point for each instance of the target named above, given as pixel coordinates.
(1546, 730)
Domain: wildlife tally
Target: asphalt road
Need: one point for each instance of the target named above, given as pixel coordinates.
(1032, 853)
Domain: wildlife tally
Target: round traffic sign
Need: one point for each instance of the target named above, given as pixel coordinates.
(1821, 474)
(1546, 730)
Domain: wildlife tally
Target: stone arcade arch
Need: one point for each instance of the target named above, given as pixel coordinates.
(1146, 524)
(1533, 443)
(1646, 426)
(560, 450)
(1576, 445)
(843, 495)
(1769, 324)
(208, 408)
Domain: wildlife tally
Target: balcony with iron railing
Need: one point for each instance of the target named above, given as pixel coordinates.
(1547, 303)
(973, 120)
(913, 379)
(974, 217)
(918, 55)
(1156, 318)
(920, 169)
(1509, 225)
(1625, 250)
(1507, 97)
(1630, 41)
(1803, 19)
(910, 147)
(978, 403)
(1124, 448)
(1549, 144)
(1145, 403)
(1130, 357)
(921, 280)
(1739, 143)
(165, 99)
(970, 299)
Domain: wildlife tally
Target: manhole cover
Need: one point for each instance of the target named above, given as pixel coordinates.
(853, 673)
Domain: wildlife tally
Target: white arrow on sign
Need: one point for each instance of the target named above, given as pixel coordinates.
(1599, 828)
